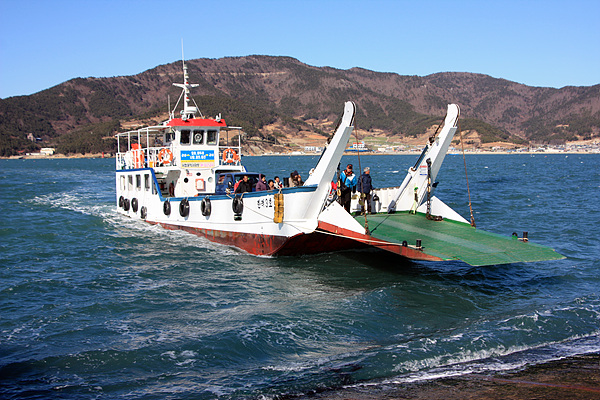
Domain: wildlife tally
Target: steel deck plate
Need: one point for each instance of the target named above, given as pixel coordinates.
(451, 240)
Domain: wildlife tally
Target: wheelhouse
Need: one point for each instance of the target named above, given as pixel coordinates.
(186, 154)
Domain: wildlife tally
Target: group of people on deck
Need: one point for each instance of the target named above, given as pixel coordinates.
(350, 184)
(244, 185)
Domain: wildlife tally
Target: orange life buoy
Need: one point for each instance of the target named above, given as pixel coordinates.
(165, 156)
(138, 155)
(230, 156)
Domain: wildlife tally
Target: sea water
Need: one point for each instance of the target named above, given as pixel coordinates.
(97, 305)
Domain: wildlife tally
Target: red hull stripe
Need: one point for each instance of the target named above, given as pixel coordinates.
(366, 240)
(270, 245)
(327, 238)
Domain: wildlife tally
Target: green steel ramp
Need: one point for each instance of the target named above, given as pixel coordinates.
(451, 240)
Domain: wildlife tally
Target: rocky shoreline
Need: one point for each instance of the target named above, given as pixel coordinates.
(576, 377)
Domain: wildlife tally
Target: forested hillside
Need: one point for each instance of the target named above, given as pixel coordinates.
(81, 115)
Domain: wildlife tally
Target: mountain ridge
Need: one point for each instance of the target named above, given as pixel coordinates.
(258, 91)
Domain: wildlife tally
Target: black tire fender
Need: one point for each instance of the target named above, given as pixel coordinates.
(238, 205)
(205, 207)
(184, 208)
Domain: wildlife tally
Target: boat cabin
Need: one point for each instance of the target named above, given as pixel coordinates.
(186, 154)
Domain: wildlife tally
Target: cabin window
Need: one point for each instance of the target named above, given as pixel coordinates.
(147, 181)
(169, 136)
(130, 182)
(123, 186)
(211, 137)
(185, 136)
(198, 136)
(138, 182)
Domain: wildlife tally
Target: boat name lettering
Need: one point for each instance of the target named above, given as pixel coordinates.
(265, 203)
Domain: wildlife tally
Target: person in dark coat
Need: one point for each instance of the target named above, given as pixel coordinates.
(262, 183)
(365, 187)
(244, 185)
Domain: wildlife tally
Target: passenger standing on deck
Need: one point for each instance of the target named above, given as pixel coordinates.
(348, 186)
(365, 188)
(244, 185)
(295, 179)
(277, 183)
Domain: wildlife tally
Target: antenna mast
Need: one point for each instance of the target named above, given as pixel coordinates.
(188, 111)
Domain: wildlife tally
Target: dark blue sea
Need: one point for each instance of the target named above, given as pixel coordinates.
(94, 305)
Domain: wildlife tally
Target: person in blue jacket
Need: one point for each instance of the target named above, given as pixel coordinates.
(365, 187)
(347, 186)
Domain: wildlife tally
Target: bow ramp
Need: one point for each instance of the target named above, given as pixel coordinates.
(449, 240)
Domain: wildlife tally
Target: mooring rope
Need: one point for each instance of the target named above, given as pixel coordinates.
(360, 196)
(466, 174)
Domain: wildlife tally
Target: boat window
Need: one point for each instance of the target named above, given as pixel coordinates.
(211, 137)
(147, 181)
(185, 136)
(138, 182)
(221, 179)
(169, 136)
(130, 182)
(198, 136)
(123, 186)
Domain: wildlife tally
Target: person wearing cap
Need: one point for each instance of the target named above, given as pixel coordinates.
(365, 187)
(347, 186)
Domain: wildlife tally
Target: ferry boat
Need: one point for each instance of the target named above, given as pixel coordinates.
(181, 175)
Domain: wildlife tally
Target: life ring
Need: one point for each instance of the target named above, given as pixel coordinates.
(230, 156)
(138, 155)
(165, 156)
(134, 204)
(238, 205)
(121, 201)
(167, 208)
(143, 212)
(205, 207)
(184, 208)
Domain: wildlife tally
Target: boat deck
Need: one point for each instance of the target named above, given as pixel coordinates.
(450, 240)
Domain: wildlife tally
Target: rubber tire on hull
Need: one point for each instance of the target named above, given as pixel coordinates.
(167, 208)
(184, 208)
(238, 205)
(205, 207)
(134, 204)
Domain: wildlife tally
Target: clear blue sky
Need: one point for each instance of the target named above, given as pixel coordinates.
(538, 43)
